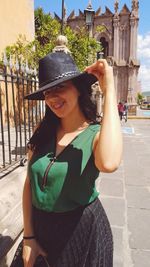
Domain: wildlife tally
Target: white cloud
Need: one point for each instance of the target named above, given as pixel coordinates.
(144, 77)
(144, 57)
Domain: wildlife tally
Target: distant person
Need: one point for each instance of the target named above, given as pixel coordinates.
(125, 111)
(120, 110)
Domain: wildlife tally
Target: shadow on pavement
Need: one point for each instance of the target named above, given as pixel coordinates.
(5, 244)
(19, 151)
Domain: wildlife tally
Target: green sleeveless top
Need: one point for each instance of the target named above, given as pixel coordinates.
(68, 181)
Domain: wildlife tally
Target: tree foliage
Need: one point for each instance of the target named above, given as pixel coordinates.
(46, 32)
(47, 29)
(22, 50)
(82, 47)
(140, 98)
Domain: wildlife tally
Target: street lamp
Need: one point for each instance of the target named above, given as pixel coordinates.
(100, 55)
(62, 17)
(89, 12)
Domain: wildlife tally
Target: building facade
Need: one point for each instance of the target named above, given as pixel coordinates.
(16, 17)
(119, 41)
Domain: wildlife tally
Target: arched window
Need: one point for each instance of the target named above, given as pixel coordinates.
(105, 46)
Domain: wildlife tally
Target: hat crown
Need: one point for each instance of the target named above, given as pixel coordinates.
(55, 66)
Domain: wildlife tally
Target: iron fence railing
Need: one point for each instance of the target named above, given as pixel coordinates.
(18, 117)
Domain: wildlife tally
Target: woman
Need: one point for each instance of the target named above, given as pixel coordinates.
(120, 110)
(63, 217)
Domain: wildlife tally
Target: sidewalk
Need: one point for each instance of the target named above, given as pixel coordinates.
(10, 212)
(125, 194)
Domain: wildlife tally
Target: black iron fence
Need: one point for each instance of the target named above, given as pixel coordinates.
(18, 117)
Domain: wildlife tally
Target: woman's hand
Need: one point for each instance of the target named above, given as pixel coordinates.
(104, 74)
(31, 250)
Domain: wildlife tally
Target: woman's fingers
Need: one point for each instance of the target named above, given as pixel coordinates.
(31, 250)
(98, 68)
(102, 63)
(103, 72)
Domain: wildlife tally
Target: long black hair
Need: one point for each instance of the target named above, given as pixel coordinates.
(48, 126)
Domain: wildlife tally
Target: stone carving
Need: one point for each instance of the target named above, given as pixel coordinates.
(135, 5)
(135, 8)
(123, 27)
(116, 6)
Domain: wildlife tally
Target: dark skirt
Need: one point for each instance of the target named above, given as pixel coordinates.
(79, 238)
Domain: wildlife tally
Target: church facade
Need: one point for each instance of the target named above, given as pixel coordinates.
(119, 42)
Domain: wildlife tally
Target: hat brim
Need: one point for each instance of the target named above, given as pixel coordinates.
(38, 95)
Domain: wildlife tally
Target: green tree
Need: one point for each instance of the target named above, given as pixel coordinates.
(47, 29)
(82, 47)
(140, 98)
(22, 50)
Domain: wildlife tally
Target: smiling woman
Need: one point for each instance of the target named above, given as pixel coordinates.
(63, 217)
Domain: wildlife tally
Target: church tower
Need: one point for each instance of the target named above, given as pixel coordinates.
(119, 41)
(126, 65)
(133, 61)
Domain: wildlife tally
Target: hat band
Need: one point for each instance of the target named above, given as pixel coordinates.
(63, 75)
(69, 73)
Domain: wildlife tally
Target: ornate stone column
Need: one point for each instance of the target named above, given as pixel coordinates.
(133, 62)
(116, 38)
(134, 29)
(133, 38)
(116, 32)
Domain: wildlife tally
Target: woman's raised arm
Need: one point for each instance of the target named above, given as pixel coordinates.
(108, 143)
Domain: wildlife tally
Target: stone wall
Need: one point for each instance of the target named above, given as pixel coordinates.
(16, 17)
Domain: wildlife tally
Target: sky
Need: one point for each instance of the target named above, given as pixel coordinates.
(143, 51)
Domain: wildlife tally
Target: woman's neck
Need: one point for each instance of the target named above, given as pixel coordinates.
(74, 122)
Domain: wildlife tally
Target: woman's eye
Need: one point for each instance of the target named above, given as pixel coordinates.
(60, 90)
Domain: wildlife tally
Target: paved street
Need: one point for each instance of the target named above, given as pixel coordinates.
(125, 195)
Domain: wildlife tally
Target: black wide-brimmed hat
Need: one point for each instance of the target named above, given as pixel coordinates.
(56, 68)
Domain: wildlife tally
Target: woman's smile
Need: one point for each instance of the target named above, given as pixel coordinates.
(57, 104)
(62, 101)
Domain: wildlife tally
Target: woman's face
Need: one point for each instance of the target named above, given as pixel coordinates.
(63, 99)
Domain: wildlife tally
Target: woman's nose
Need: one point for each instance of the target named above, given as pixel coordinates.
(51, 94)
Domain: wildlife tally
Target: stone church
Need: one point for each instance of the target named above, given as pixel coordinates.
(119, 42)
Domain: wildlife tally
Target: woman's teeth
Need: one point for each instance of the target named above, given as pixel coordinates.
(57, 105)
